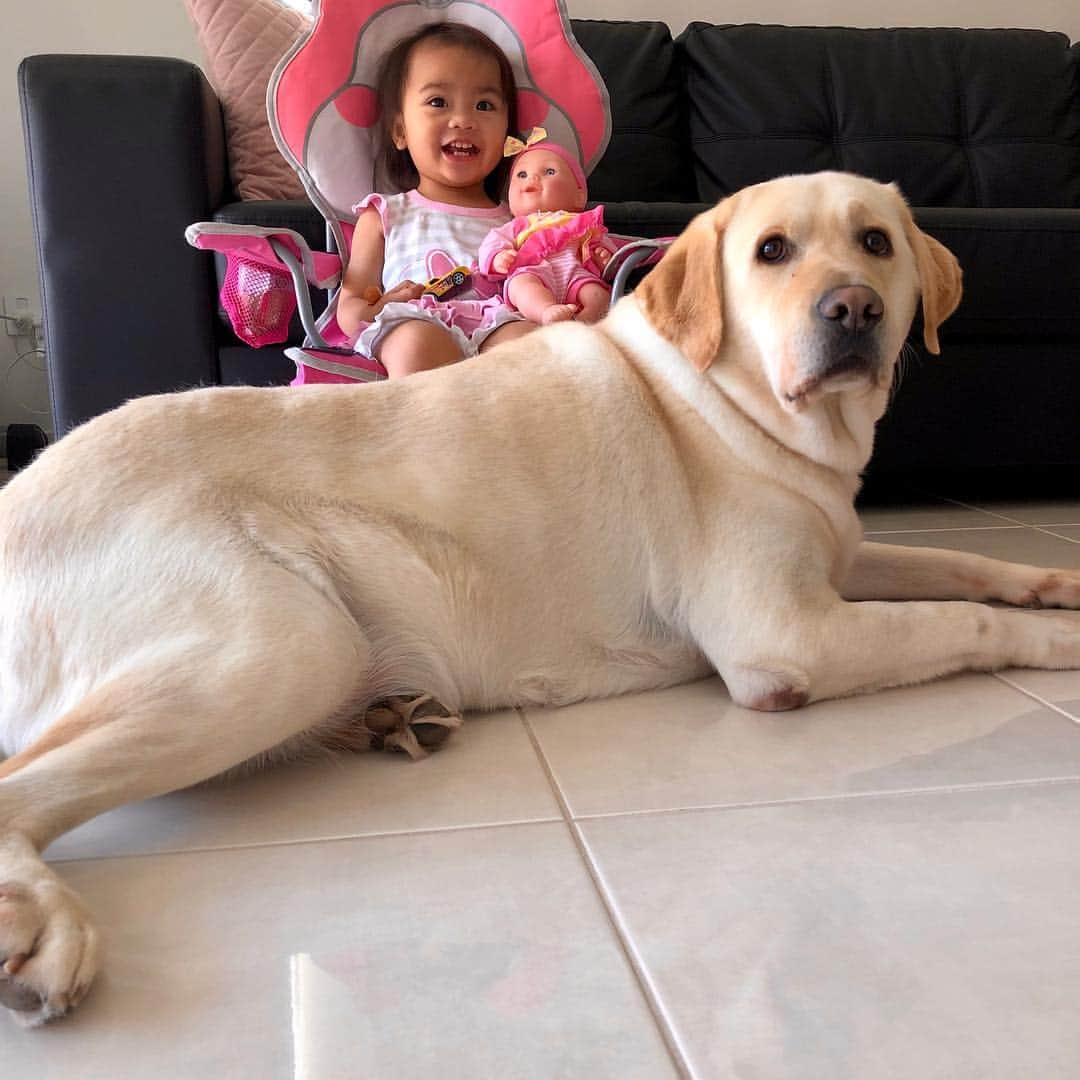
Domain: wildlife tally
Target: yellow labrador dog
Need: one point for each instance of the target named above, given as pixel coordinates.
(200, 580)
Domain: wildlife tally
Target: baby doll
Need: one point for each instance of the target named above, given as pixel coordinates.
(553, 252)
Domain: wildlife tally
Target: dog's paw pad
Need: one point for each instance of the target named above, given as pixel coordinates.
(17, 997)
(414, 724)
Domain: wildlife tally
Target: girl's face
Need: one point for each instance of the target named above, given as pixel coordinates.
(541, 180)
(453, 122)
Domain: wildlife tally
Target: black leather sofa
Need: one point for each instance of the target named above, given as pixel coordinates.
(981, 129)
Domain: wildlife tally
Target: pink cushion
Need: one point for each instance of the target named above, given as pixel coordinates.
(243, 41)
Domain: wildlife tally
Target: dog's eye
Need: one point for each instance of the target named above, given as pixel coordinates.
(877, 243)
(773, 250)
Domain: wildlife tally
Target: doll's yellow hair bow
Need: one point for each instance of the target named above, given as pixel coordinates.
(514, 145)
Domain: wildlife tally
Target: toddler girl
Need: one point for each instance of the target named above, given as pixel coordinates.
(552, 253)
(447, 99)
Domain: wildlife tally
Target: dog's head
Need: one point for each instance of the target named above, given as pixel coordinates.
(814, 278)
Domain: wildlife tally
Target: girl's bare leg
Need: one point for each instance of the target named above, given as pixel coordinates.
(416, 346)
(507, 332)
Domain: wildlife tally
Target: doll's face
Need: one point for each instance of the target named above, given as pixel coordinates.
(541, 180)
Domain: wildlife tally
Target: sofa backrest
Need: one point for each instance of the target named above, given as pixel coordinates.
(648, 157)
(980, 118)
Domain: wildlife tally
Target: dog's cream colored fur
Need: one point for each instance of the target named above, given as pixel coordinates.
(195, 581)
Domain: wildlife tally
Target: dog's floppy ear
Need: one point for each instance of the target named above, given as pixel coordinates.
(682, 295)
(939, 281)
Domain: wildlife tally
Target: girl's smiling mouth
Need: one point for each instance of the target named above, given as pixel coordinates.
(461, 150)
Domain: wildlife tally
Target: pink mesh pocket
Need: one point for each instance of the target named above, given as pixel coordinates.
(259, 301)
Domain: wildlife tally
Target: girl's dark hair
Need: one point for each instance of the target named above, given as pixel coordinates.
(396, 166)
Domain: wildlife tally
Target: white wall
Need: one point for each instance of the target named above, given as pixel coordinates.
(149, 27)
(161, 27)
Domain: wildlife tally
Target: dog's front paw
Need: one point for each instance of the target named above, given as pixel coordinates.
(1042, 639)
(49, 950)
(1053, 588)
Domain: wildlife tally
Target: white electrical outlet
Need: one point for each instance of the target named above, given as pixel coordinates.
(19, 321)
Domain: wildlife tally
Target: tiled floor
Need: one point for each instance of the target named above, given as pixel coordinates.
(655, 886)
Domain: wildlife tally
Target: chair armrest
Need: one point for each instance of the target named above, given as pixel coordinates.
(123, 152)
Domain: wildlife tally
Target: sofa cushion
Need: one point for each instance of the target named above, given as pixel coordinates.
(1020, 272)
(241, 366)
(648, 156)
(650, 218)
(959, 117)
(243, 40)
(979, 406)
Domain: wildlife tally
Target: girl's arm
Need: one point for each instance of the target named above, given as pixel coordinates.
(361, 297)
(363, 274)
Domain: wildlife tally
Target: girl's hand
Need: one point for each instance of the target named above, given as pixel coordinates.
(354, 312)
(502, 262)
(400, 293)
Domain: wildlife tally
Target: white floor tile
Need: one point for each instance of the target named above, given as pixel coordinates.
(894, 937)
(690, 746)
(487, 773)
(1068, 532)
(483, 953)
(926, 516)
(1011, 543)
(1058, 688)
(1033, 512)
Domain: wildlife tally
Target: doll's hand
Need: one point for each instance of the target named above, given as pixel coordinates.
(601, 256)
(502, 262)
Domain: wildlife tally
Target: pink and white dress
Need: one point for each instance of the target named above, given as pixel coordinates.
(426, 239)
(554, 246)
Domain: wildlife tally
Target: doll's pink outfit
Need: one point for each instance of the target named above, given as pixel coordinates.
(554, 246)
(426, 239)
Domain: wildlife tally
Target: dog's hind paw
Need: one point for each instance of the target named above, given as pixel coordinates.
(49, 950)
(414, 724)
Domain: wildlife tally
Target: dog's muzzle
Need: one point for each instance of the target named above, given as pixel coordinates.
(846, 346)
(848, 320)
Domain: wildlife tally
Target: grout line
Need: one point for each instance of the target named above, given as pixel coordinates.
(979, 509)
(1015, 521)
(1048, 529)
(950, 529)
(571, 819)
(209, 849)
(680, 1058)
(899, 793)
(1036, 697)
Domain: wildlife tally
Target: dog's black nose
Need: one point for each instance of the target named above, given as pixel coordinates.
(854, 307)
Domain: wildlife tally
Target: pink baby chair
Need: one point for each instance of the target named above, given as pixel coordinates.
(322, 110)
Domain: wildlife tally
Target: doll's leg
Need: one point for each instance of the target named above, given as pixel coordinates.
(416, 345)
(594, 300)
(534, 300)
